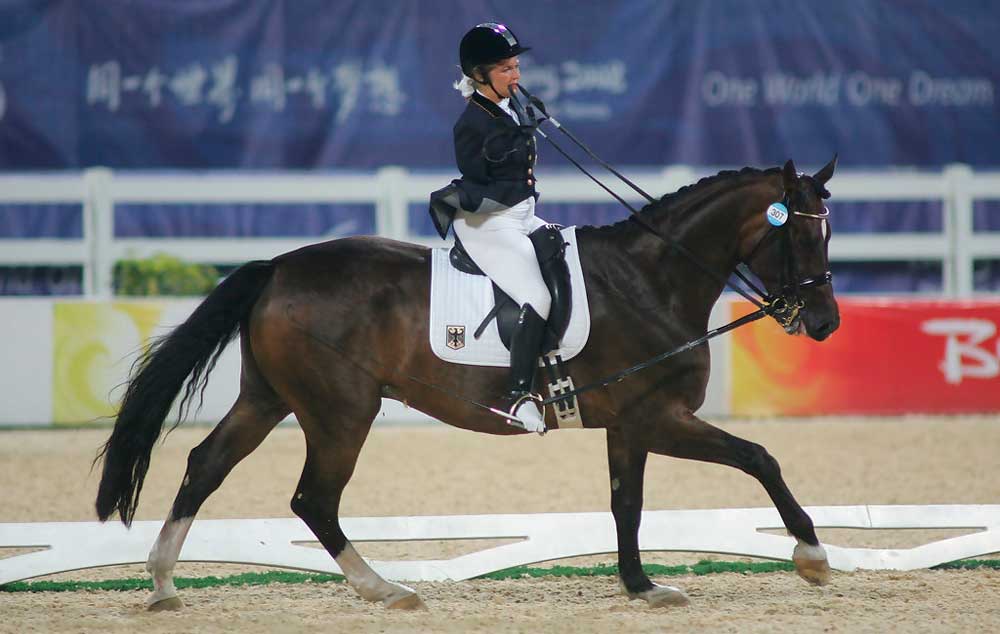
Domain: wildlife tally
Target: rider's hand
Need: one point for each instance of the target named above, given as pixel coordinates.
(539, 107)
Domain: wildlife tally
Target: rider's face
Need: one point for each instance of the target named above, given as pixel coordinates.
(504, 77)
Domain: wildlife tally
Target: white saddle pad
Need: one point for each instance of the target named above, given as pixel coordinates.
(460, 301)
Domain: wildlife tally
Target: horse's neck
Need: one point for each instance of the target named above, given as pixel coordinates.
(709, 224)
(714, 230)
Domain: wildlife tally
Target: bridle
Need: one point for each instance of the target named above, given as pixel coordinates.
(786, 305)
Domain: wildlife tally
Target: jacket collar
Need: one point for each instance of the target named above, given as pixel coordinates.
(487, 105)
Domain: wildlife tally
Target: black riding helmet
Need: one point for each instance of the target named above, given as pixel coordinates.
(487, 43)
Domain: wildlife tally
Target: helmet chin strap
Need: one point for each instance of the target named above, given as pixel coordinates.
(489, 83)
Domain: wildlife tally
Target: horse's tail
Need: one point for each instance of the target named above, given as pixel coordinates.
(158, 376)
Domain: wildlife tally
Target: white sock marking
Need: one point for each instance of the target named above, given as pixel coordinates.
(163, 557)
(364, 580)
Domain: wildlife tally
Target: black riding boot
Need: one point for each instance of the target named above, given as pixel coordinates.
(525, 346)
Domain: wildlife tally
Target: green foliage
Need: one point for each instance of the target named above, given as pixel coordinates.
(163, 275)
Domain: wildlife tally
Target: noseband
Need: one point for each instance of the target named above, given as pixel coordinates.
(786, 305)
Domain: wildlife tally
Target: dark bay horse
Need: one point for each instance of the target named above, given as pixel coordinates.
(330, 329)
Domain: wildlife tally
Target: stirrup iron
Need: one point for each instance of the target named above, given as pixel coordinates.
(516, 422)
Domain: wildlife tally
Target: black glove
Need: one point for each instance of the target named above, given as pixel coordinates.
(538, 106)
(535, 108)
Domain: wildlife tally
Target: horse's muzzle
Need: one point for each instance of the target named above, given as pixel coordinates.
(820, 324)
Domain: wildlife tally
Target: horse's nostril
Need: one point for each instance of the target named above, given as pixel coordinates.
(825, 329)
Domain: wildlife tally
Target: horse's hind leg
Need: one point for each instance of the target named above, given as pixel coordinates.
(333, 443)
(241, 431)
(687, 436)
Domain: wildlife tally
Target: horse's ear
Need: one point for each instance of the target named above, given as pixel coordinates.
(789, 177)
(826, 173)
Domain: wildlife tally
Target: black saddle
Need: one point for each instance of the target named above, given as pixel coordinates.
(550, 249)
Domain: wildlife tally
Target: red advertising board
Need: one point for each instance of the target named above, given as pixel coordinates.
(888, 357)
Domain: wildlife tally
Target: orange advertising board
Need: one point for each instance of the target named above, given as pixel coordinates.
(888, 357)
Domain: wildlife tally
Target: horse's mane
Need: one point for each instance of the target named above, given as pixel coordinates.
(678, 200)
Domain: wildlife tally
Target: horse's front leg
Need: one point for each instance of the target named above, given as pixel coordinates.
(685, 435)
(626, 467)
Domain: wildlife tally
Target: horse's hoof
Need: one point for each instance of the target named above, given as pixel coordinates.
(169, 604)
(404, 602)
(661, 596)
(811, 563)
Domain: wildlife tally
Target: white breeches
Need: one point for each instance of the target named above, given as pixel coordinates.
(498, 243)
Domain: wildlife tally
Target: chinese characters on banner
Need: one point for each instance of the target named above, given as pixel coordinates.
(356, 84)
(346, 87)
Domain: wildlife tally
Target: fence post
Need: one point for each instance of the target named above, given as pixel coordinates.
(391, 209)
(958, 226)
(100, 208)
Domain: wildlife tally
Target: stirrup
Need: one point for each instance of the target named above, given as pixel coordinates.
(527, 396)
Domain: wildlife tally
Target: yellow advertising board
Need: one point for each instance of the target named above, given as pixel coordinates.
(95, 344)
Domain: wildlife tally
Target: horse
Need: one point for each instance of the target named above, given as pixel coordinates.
(328, 330)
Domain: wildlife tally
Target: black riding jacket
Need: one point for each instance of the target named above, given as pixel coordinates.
(496, 157)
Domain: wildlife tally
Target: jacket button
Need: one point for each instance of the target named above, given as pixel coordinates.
(529, 170)
(531, 182)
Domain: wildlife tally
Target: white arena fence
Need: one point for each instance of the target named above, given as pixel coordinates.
(392, 189)
(540, 537)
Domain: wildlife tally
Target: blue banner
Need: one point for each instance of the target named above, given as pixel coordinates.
(365, 83)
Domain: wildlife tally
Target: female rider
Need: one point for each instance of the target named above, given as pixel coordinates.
(492, 207)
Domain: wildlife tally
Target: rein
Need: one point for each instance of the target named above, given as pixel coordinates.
(694, 343)
(636, 216)
(784, 308)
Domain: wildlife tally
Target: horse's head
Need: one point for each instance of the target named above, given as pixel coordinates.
(789, 254)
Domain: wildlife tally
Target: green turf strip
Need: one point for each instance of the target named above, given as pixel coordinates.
(245, 579)
(521, 572)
